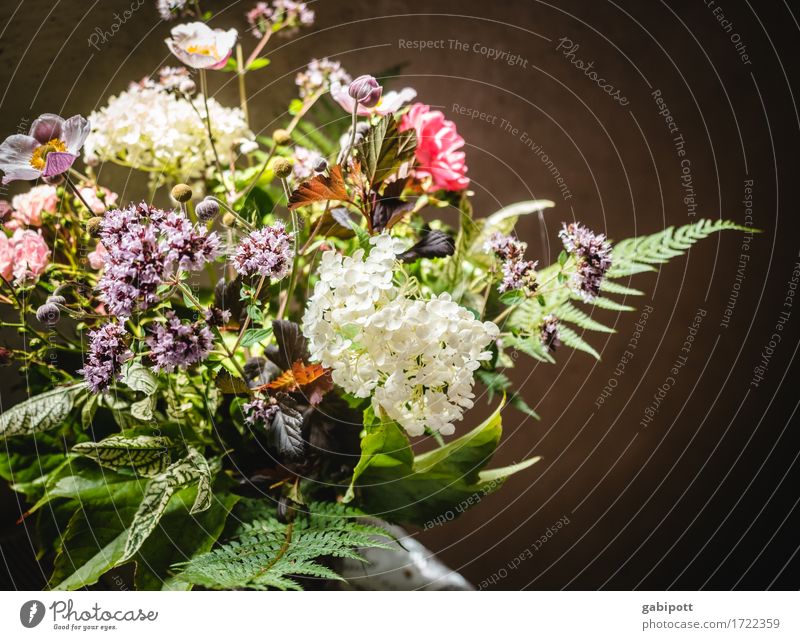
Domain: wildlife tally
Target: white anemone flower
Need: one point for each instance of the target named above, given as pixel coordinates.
(199, 46)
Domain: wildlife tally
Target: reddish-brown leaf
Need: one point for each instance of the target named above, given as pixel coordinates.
(321, 187)
(299, 375)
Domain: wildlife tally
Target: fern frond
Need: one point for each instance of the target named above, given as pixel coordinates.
(261, 552)
(635, 255)
(568, 312)
(609, 286)
(571, 339)
(611, 305)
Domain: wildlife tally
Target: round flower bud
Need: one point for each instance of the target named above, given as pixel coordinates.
(281, 137)
(56, 299)
(92, 160)
(366, 91)
(282, 168)
(181, 192)
(48, 313)
(321, 165)
(93, 226)
(187, 86)
(228, 219)
(207, 210)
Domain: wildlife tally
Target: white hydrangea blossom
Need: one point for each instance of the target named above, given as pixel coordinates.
(415, 357)
(156, 130)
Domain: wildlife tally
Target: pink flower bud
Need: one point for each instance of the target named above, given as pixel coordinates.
(366, 91)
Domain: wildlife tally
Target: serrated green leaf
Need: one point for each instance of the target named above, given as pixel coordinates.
(158, 493)
(146, 456)
(384, 149)
(572, 339)
(40, 413)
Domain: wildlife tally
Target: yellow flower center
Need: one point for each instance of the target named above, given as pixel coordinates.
(203, 50)
(39, 157)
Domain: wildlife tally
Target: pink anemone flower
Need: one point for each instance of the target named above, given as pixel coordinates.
(48, 150)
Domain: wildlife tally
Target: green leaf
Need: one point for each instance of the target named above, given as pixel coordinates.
(159, 491)
(146, 456)
(506, 218)
(258, 63)
(95, 539)
(567, 312)
(639, 254)
(40, 413)
(261, 552)
(572, 339)
(254, 336)
(140, 378)
(392, 484)
(180, 535)
(384, 445)
(384, 149)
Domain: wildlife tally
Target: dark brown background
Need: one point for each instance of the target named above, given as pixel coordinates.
(706, 496)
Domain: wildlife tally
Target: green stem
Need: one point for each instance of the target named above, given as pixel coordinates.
(246, 322)
(204, 91)
(240, 71)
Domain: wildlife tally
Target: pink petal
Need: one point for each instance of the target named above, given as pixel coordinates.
(57, 162)
(46, 127)
(74, 133)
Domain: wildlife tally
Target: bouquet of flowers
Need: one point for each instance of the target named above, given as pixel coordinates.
(222, 388)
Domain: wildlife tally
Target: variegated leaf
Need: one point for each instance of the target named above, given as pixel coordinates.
(158, 493)
(40, 413)
(147, 456)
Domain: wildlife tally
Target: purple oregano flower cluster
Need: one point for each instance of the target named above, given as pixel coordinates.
(144, 246)
(266, 252)
(108, 351)
(593, 253)
(518, 273)
(175, 343)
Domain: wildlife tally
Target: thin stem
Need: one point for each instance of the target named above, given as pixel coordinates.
(246, 322)
(228, 208)
(259, 48)
(316, 229)
(240, 71)
(204, 91)
(77, 193)
(352, 137)
(298, 116)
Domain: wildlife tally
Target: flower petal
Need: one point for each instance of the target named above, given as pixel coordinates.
(19, 172)
(17, 149)
(57, 162)
(74, 133)
(46, 127)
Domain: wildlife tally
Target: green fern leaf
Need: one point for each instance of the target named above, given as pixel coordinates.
(572, 339)
(567, 312)
(261, 552)
(639, 254)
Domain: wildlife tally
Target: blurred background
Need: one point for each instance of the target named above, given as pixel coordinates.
(703, 496)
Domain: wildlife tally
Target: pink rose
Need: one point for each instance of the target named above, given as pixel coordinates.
(30, 254)
(97, 204)
(28, 207)
(438, 149)
(97, 257)
(6, 257)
